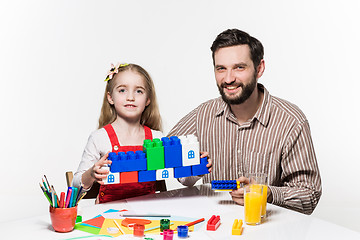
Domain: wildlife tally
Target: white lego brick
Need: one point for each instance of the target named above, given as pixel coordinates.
(190, 150)
(112, 178)
(166, 173)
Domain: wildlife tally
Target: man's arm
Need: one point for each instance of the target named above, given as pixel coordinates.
(186, 126)
(300, 187)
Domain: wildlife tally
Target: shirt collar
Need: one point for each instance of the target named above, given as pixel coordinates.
(262, 114)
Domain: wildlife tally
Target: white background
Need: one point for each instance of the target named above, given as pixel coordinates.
(54, 56)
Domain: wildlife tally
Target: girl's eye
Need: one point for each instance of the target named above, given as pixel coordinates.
(139, 91)
(122, 90)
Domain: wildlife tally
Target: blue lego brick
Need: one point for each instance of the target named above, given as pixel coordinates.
(182, 171)
(224, 184)
(129, 162)
(201, 168)
(172, 152)
(147, 176)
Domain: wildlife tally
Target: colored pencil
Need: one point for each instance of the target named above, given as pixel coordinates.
(195, 222)
(81, 197)
(47, 182)
(62, 200)
(145, 215)
(68, 197)
(74, 197)
(47, 197)
(119, 227)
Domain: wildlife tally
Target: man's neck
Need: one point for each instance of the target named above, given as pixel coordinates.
(245, 111)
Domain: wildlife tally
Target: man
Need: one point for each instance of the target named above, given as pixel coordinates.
(247, 130)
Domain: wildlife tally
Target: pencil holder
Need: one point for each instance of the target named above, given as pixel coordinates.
(63, 219)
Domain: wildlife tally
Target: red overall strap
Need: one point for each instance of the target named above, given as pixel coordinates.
(113, 138)
(148, 133)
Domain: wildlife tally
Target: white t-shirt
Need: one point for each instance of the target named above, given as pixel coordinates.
(97, 146)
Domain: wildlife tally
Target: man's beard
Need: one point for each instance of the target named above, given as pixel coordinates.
(246, 92)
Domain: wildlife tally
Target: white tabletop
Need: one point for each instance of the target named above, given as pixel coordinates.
(196, 202)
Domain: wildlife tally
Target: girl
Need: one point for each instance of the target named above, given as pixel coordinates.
(129, 115)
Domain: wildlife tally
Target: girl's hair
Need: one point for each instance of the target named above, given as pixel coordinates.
(151, 114)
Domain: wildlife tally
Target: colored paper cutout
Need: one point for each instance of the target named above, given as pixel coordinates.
(88, 229)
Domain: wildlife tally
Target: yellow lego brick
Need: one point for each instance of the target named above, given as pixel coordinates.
(237, 227)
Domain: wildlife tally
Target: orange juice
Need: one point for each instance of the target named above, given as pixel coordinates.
(253, 203)
(263, 198)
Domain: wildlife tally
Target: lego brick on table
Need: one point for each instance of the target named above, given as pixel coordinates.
(201, 168)
(128, 162)
(129, 177)
(154, 153)
(172, 151)
(237, 227)
(224, 185)
(147, 176)
(180, 172)
(213, 223)
(163, 174)
(190, 150)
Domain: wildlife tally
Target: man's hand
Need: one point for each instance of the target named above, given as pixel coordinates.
(238, 194)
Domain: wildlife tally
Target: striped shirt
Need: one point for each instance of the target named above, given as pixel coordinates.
(275, 141)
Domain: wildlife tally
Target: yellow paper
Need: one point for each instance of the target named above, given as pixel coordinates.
(109, 223)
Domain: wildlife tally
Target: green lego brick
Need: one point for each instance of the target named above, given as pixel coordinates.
(154, 153)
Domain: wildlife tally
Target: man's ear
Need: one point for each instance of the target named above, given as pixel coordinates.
(260, 69)
(109, 98)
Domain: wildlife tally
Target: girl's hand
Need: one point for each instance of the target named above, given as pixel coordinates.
(209, 165)
(97, 172)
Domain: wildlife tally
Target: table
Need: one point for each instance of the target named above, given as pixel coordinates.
(196, 202)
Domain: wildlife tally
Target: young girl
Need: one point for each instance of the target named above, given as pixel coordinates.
(129, 115)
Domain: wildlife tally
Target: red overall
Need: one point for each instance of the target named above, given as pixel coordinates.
(112, 192)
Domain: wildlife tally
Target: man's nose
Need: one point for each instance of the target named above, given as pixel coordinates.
(229, 77)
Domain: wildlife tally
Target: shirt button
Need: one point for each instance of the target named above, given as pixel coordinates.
(116, 147)
(238, 151)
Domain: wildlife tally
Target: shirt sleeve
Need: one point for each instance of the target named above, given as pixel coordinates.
(186, 126)
(90, 156)
(300, 188)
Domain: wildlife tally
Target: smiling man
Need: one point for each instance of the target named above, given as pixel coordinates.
(247, 130)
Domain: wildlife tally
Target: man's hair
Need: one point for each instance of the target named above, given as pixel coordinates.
(234, 37)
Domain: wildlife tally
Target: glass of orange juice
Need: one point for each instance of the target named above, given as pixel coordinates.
(253, 204)
(260, 179)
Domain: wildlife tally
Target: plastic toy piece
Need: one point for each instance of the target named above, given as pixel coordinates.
(182, 231)
(190, 150)
(237, 227)
(172, 152)
(129, 177)
(225, 185)
(139, 230)
(168, 234)
(180, 172)
(147, 176)
(213, 223)
(201, 168)
(164, 173)
(112, 178)
(128, 162)
(154, 153)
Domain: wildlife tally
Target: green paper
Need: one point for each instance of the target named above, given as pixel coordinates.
(88, 229)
